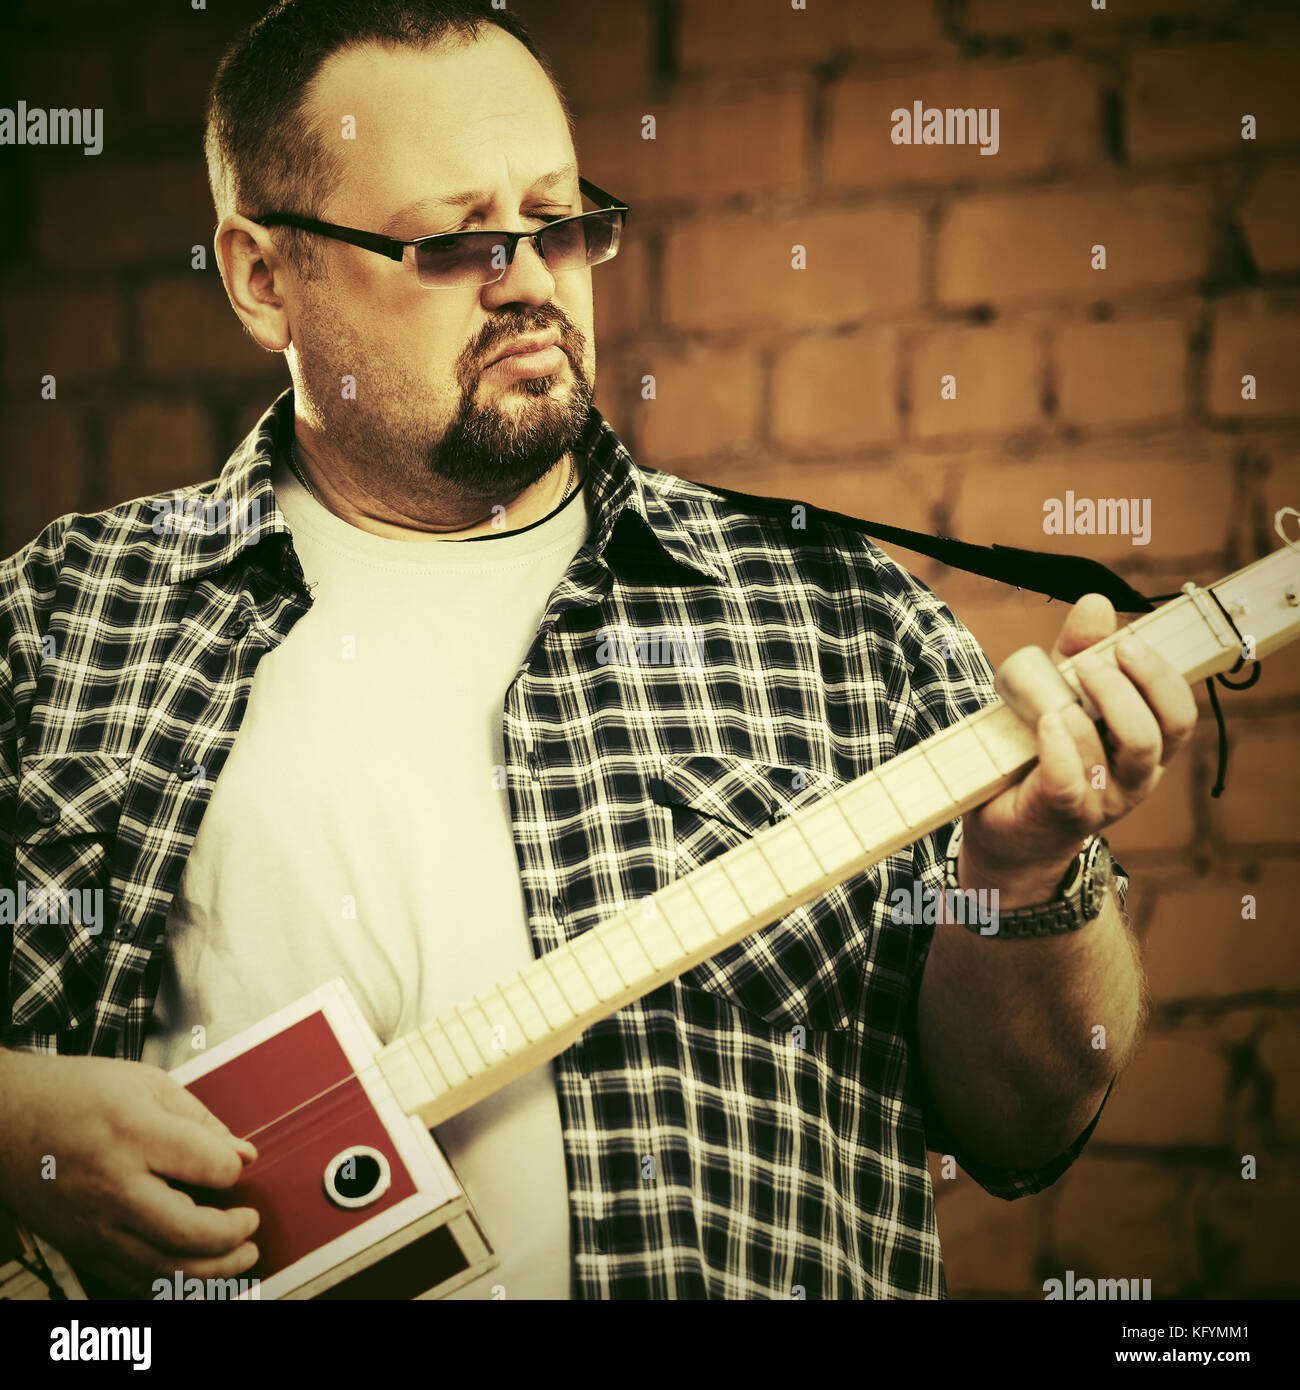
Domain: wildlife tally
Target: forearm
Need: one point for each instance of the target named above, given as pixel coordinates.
(1020, 1039)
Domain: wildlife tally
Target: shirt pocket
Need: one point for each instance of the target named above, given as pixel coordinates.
(65, 824)
(806, 969)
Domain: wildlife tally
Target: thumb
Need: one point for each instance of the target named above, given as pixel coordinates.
(177, 1100)
(1091, 619)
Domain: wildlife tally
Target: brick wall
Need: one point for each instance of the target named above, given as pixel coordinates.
(1120, 128)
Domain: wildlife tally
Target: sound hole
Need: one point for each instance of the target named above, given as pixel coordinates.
(357, 1177)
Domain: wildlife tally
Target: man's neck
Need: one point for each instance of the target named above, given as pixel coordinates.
(353, 504)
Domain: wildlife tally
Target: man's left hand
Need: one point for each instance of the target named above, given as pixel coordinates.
(1022, 841)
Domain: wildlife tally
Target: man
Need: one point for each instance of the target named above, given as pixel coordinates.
(395, 733)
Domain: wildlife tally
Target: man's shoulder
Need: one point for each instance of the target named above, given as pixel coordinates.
(137, 537)
(745, 531)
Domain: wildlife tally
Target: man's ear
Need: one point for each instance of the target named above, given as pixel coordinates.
(253, 273)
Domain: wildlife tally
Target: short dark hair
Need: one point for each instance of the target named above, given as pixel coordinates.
(263, 153)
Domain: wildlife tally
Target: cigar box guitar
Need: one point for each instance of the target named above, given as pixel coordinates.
(356, 1199)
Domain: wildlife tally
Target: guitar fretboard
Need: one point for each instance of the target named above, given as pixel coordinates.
(484, 1043)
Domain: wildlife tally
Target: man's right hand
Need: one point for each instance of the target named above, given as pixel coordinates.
(116, 1131)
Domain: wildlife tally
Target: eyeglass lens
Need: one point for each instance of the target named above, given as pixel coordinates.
(478, 258)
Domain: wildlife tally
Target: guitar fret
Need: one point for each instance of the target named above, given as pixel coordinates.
(912, 779)
(561, 960)
(828, 824)
(577, 960)
(450, 1023)
(500, 994)
(472, 1031)
(757, 843)
(793, 823)
(1003, 737)
(432, 1040)
(967, 766)
(537, 1003)
(698, 926)
(650, 930)
(599, 962)
(434, 1086)
(668, 922)
(621, 924)
(544, 962)
(598, 940)
(902, 819)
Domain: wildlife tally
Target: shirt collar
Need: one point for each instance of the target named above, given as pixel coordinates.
(627, 500)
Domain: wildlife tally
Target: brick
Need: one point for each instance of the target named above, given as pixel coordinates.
(174, 66)
(1198, 946)
(1173, 1094)
(74, 334)
(1165, 820)
(1252, 339)
(52, 75)
(1048, 120)
(154, 448)
(1119, 1219)
(117, 214)
(705, 147)
(705, 401)
(596, 64)
(998, 382)
(44, 473)
(730, 272)
(1189, 101)
(722, 35)
(1122, 373)
(989, 1246)
(1258, 807)
(1279, 1055)
(1038, 246)
(622, 293)
(1189, 490)
(998, 17)
(888, 492)
(1269, 218)
(834, 394)
(187, 327)
(1253, 1225)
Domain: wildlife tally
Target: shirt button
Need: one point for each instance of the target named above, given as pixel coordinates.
(241, 625)
(47, 813)
(187, 772)
(534, 767)
(124, 930)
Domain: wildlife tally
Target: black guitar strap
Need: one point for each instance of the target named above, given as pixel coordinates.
(1059, 576)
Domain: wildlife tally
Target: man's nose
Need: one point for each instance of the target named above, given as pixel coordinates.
(527, 280)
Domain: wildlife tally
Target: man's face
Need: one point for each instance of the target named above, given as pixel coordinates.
(433, 431)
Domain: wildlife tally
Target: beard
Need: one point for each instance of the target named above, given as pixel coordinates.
(493, 448)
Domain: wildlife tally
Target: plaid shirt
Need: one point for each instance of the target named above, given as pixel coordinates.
(756, 1128)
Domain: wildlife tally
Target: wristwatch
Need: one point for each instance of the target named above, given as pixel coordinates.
(1076, 902)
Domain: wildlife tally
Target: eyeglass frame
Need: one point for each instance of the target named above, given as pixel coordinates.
(395, 249)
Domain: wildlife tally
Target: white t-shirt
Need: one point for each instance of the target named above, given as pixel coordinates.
(357, 830)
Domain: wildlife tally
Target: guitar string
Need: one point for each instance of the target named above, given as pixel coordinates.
(408, 1043)
(406, 1046)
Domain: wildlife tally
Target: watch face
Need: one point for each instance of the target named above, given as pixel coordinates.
(1097, 873)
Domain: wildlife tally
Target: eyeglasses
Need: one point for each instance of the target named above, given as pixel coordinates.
(462, 260)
